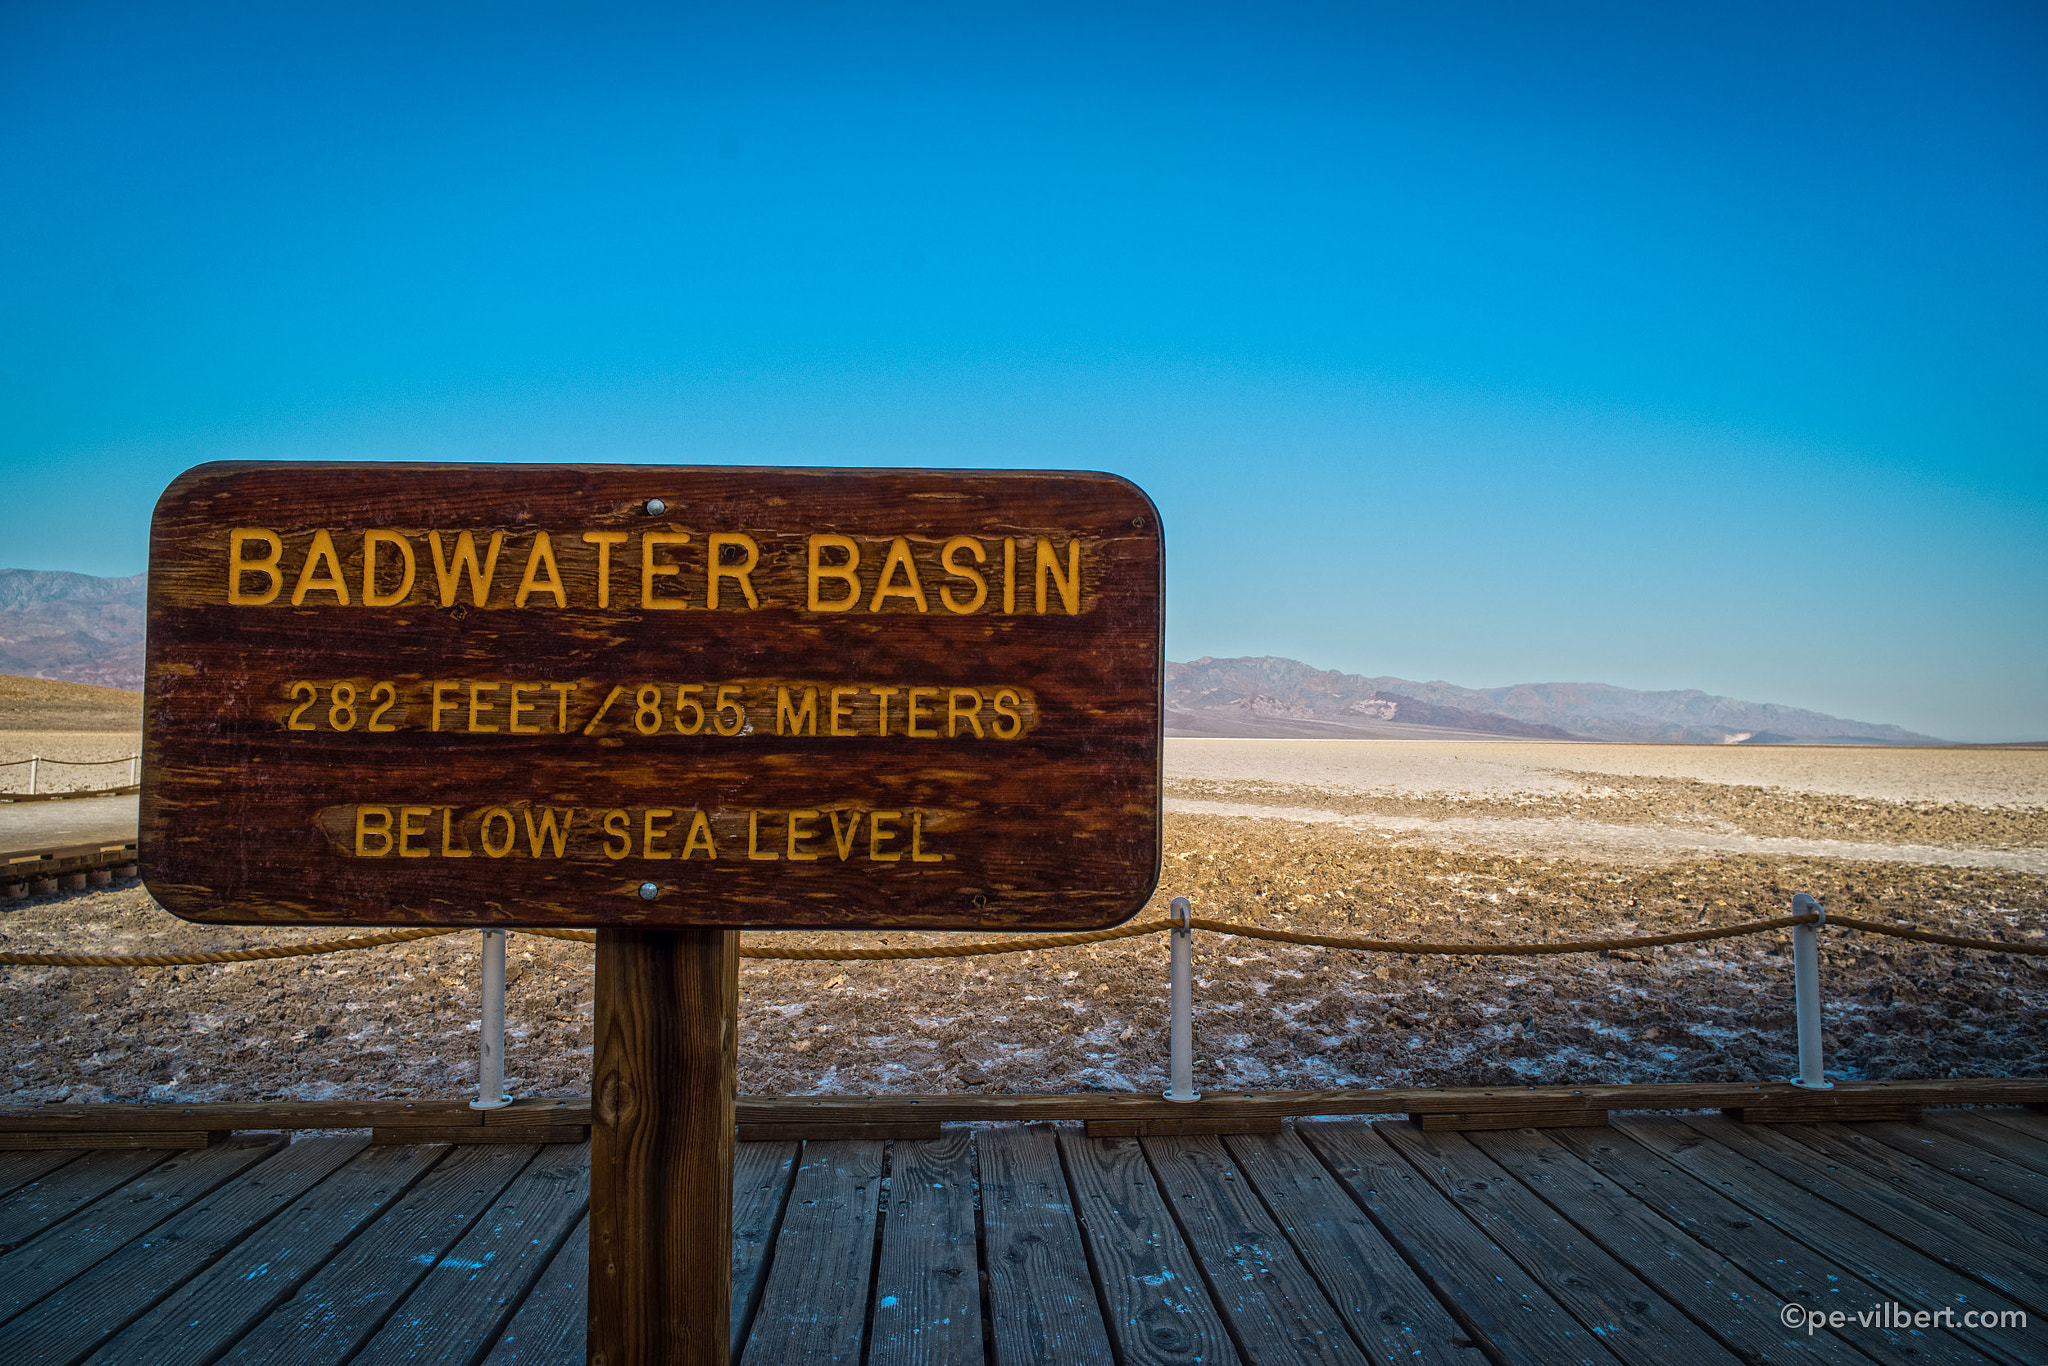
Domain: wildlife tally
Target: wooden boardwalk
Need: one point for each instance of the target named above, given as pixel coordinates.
(1658, 1241)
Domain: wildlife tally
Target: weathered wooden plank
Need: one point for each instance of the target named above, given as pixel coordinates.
(1276, 1311)
(1006, 704)
(87, 1310)
(58, 1120)
(1994, 1141)
(927, 1292)
(476, 1134)
(1570, 1117)
(662, 1145)
(1808, 1110)
(1900, 1272)
(1632, 1318)
(550, 1327)
(2014, 1196)
(761, 1178)
(1915, 1216)
(461, 1305)
(156, 1140)
(1177, 1126)
(1042, 1305)
(815, 1303)
(1725, 1301)
(35, 1270)
(922, 1130)
(17, 1169)
(1498, 1302)
(1153, 1300)
(349, 1298)
(1389, 1310)
(198, 1320)
(43, 1204)
(2026, 1125)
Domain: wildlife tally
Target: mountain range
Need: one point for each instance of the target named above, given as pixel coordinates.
(86, 629)
(1267, 696)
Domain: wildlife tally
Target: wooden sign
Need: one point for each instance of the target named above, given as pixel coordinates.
(652, 695)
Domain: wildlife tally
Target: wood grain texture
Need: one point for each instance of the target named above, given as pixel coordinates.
(19, 1169)
(1635, 1322)
(815, 1304)
(209, 1312)
(87, 1310)
(1994, 1140)
(1276, 1311)
(104, 1227)
(1496, 1301)
(462, 1304)
(1803, 1273)
(1717, 1295)
(662, 1145)
(761, 1178)
(336, 1312)
(1042, 1305)
(550, 1326)
(1387, 1307)
(1882, 1255)
(927, 1281)
(1152, 1294)
(45, 1203)
(247, 820)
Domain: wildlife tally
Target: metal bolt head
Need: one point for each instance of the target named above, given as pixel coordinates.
(655, 507)
(648, 891)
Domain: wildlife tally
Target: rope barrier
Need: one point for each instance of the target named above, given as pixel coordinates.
(1061, 941)
(73, 763)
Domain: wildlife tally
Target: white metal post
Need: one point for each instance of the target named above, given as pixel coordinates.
(1806, 992)
(134, 770)
(1180, 1040)
(490, 1044)
(35, 761)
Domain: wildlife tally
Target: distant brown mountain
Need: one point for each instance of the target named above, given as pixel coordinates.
(76, 627)
(1276, 697)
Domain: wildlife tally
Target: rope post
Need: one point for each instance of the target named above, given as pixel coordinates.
(134, 770)
(35, 761)
(1180, 1038)
(1806, 992)
(490, 1043)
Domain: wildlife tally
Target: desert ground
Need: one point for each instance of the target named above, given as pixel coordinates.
(1484, 840)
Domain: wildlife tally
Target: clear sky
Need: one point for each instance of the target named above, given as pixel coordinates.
(1656, 344)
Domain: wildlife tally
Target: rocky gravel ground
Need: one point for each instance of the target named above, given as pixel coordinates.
(400, 1021)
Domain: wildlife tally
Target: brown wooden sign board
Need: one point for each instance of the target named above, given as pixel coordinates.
(527, 694)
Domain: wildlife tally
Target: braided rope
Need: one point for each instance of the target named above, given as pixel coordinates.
(69, 763)
(171, 960)
(1061, 941)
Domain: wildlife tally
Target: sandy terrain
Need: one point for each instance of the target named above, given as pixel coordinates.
(1502, 841)
(95, 747)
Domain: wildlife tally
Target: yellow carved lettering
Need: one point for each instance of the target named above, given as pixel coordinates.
(373, 823)
(618, 826)
(519, 709)
(476, 691)
(371, 540)
(1069, 583)
(649, 833)
(238, 565)
(604, 541)
(914, 712)
(878, 836)
(740, 573)
(562, 691)
(842, 711)
(961, 571)
(320, 553)
(550, 832)
(754, 850)
(406, 830)
(1009, 574)
(652, 567)
(844, 842)
(700, 837)
(448, 849)
(449, 576)
(882, 696)
(441, 706)
(917, 853)
(797, 717)
(955, 713)
(800, 829)
(1006, 704)
(542, 556)
(496, 848)
(898, 558)
(847, 573)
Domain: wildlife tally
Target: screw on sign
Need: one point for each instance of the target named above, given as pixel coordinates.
(666, 702)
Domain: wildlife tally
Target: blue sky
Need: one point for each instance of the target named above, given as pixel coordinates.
(1667, 346)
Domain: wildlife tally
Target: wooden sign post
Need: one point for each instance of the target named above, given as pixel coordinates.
(669, 703)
